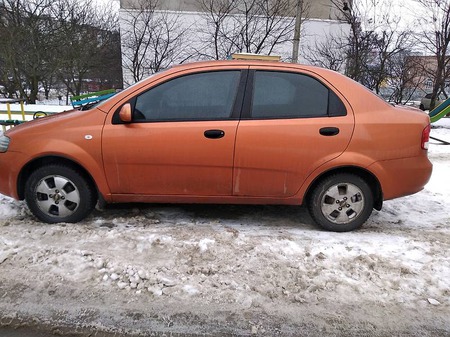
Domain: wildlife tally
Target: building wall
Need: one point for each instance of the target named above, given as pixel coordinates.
(318, 9)
(314, 31)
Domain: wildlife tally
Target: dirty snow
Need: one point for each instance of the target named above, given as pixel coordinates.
(244, 270)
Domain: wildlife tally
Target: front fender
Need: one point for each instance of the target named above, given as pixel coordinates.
(89, 160)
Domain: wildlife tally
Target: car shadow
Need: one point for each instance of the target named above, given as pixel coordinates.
(256, 215)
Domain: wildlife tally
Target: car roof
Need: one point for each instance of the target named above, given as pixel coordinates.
(244, 63)
(334, 79)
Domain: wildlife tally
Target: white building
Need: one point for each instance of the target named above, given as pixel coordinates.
(157, 34)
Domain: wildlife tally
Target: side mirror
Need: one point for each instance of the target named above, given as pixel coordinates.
(125, 113)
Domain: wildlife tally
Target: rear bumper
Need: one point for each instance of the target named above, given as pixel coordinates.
(402, 177)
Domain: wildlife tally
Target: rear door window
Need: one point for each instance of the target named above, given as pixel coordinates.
(292, 95)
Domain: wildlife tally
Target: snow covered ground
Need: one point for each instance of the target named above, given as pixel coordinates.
(242, 270)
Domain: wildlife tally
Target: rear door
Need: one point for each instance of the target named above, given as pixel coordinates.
(292, 123)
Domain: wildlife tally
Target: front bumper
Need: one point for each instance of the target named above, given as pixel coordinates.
(11, 164)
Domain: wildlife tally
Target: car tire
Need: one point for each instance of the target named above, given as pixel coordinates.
(59, 193)
(341, 202)
(421, 107)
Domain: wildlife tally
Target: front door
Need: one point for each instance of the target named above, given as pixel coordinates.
(181, 139)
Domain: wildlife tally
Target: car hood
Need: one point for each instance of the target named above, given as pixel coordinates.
(47, 121)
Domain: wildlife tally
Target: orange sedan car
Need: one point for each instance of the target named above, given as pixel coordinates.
(241, 132)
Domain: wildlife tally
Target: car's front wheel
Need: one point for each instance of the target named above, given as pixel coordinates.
(341, 202)
(59, 193)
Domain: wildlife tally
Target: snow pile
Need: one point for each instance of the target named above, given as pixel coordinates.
(267, 258)
(10, 208)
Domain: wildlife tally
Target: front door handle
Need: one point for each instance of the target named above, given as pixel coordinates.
(329, 131)
(214, 134)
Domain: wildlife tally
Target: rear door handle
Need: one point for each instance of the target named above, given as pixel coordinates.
(329, 131)
(214, 134)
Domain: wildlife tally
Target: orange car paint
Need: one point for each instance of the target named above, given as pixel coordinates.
(257, 161)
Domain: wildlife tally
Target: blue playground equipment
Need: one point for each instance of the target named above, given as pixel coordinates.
(94, 97)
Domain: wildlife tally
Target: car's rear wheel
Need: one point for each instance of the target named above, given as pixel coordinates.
(59, 193)
(341, 202)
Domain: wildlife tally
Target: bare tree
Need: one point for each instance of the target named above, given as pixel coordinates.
(360, 40)
(27, 29)
(389, 39)
(264, 25)
(252, 26)
(217, 14)
(168, 42)
(351, 51)
(406, 74)
(387, 44)
(330, 53)
(153, 39)
(371, 47)
(139, 23)
(87, 43)
(48, 40)
(436, 41)
(8, 85)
